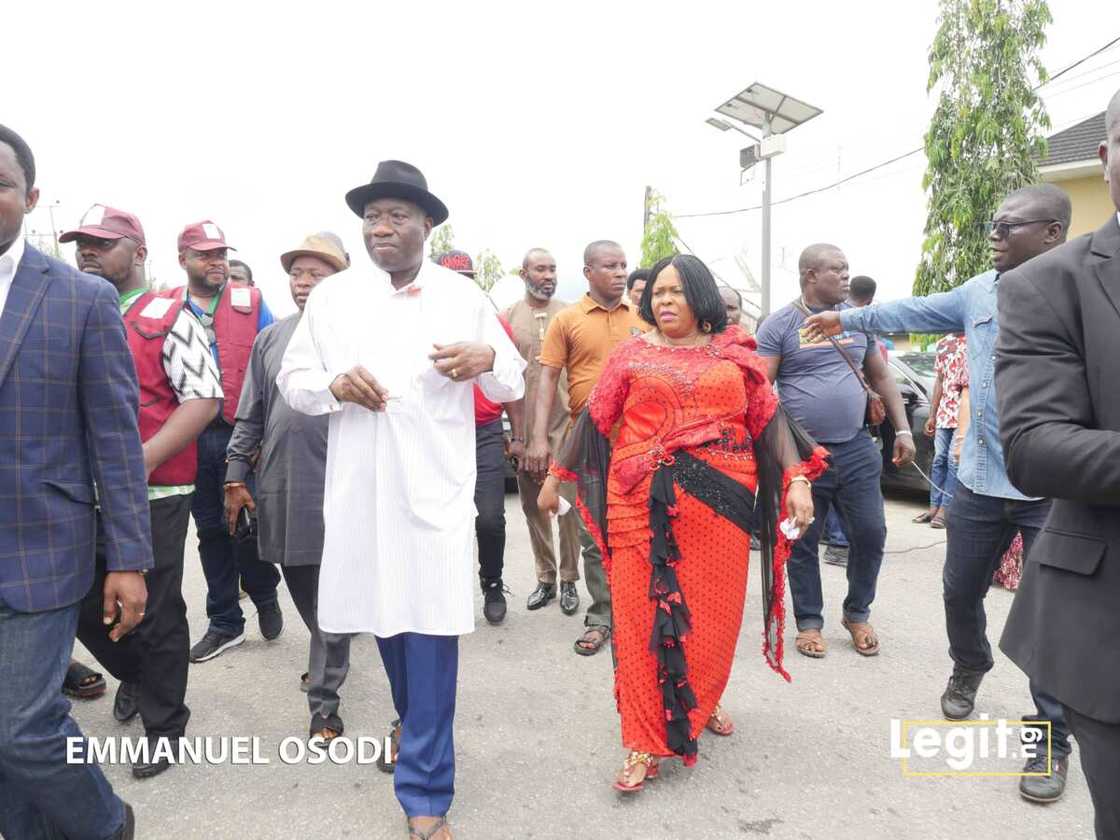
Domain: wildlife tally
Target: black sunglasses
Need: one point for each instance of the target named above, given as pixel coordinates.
(1003, 229)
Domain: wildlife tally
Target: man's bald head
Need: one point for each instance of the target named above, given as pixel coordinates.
(534, 254)
(593, 250)
(1112, 115)
(814, 256)
(1043, 201)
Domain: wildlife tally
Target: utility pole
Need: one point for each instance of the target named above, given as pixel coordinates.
(645, 207)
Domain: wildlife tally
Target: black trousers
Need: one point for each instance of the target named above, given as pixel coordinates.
(1099, 744)
(154, 655)
(490, 499)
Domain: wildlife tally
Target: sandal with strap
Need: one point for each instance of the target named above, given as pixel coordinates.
(649, 768)
(431, 831)
(810, 643)
(83, 683)
(592, 640)
(720, 722)
(864, 639)
(387, 763)
(938, 521)
(924, 517)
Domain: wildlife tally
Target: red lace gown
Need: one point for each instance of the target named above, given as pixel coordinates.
(713, 403)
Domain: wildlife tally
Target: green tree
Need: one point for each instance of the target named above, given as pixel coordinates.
(987, 131)
(659, 238)
(487, 270)
(441, 241)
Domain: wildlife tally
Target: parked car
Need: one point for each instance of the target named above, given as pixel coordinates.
(914, 373)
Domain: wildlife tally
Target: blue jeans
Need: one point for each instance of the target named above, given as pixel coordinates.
(41, 796)
(423, 672)
(851, 483)
(224, 560)
(943, 470)
(980, 529)
(833, 532)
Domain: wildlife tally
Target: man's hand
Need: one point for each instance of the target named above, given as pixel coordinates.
(904, 450)
(358, 386)
(931, 426)
(537, 459)
(517, 452)
(237, 497)
(822, 325)
(464, 360)
(127, 592)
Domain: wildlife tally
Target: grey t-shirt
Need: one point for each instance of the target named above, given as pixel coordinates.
(815, 385)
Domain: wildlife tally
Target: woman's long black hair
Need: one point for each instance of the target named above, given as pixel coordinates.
(700, 291)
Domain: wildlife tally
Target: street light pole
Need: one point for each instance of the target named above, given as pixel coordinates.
(766, 195)
(773, 113)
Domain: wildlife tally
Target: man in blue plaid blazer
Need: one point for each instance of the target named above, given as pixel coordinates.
(68, 422)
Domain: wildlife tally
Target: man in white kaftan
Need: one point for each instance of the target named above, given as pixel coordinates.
(391, 352)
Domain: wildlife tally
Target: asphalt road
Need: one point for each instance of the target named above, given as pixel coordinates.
(537, 735)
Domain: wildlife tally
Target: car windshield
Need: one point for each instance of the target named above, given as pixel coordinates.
(920, 363)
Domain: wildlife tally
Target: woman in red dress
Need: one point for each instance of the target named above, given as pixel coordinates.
(680, 454)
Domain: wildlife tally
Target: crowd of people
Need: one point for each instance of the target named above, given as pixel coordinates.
(333, 449)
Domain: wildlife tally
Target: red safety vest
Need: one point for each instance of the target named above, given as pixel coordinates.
(158, 400)
(235, 325)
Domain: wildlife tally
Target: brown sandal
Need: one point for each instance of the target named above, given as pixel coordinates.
(431, 831)
(592, 640)
(388, 763)
(810, 643)
(924, 517)
(938, 521)
(863, 637)
(720, 722)
(326, 735)
(640, 764)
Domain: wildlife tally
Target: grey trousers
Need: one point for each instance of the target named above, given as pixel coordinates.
(540, 534)
(595, 578)
(329, 658)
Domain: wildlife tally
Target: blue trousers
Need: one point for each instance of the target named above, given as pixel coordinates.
(980, 529)
(41, 796)
(943, 470)
(833, 533)
(423, 672)
(225, 562)
(851, 483)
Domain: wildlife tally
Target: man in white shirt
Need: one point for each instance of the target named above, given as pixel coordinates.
(391, 353)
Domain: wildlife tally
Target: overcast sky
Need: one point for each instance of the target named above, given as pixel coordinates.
(537, 124)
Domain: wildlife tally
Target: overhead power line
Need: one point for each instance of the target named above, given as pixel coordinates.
(895, 159)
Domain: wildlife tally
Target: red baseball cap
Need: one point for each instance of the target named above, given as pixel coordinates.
(203, 236)
(459, 261)
(102, 222)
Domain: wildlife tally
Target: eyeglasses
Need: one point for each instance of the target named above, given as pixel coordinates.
(1003, 229)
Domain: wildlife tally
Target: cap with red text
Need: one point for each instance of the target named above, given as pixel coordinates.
(459, 261)
(102, 222)
(203, 236)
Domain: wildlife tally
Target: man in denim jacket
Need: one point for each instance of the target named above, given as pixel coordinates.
(987, 509)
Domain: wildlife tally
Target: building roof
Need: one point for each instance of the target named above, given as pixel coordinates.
(1076, 143)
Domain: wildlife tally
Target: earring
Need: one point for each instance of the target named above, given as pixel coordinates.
(705, 327)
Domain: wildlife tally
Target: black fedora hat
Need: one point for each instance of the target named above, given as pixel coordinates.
(397, 179)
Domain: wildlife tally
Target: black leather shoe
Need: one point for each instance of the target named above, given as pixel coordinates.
(1048, 788)
(494, 600)
(569, 597)
(128, 829)
(540, 596)
(124, 706)
(271, 621)
(145, 770)
(959, 698)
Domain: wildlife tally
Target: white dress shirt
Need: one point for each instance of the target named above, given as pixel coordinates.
(9, 265)
(399, 499)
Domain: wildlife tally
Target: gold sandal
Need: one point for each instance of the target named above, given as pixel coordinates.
(720, 722)
(649, 770)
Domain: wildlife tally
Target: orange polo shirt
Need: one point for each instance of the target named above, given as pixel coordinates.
(581, 337)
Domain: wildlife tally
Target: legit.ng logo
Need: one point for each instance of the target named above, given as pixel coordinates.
(983, 747)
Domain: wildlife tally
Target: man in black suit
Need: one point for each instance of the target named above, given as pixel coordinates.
(1057, 367)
